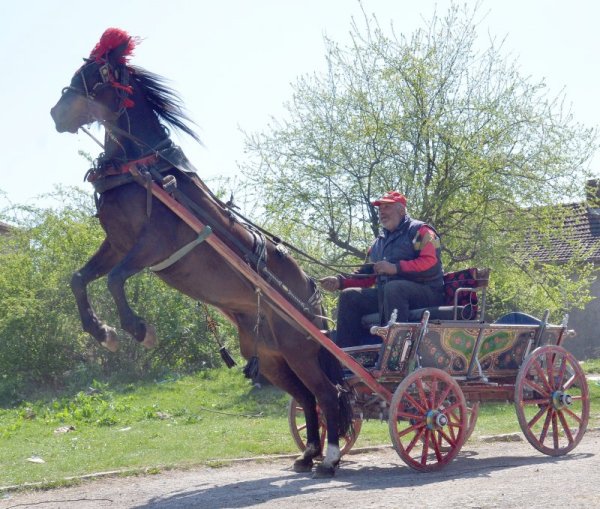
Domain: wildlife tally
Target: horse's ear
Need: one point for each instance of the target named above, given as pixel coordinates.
(117, 55)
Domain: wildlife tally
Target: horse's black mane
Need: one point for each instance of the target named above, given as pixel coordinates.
(165, 102)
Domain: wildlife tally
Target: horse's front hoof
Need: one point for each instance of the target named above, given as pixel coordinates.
(324, 472)
(150, 339)
(110, 342)
(302, 465)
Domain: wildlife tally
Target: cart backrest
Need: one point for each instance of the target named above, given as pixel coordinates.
(462, 287)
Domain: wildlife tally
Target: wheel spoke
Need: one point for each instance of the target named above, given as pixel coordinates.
(425, 447)
(555, 430)
(452, 407)
(443, 397)
(550, 358)
(407, 415)
(566, 427)
(536, 417)
(452, 429)
(454, 424)
(433, 392)
(415, 439)
(422, 395)
(540, 372)
(415, 403)
(451, 440)
(535, 401)
(569, 383)
(536, 387)
(561, 373)
(547, 422)
(436, 447)
(412, 428)
(574, 415)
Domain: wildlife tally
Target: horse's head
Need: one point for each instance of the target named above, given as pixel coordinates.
(100, 89)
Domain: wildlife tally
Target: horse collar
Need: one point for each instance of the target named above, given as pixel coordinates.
(110, 170)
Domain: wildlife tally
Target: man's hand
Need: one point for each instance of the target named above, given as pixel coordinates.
(387, 268)
(330, 283)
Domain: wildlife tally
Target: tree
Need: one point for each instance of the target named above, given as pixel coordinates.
(480, 151)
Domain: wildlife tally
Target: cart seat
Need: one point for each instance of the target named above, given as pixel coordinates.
(464, 292)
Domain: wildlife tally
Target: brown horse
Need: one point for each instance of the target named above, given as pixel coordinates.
(142, 232)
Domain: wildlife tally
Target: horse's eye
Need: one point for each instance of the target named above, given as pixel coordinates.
(65, 90)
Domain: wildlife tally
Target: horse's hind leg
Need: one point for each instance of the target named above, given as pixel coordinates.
(314, 378)
(103, 260)
(284, 378)
(277, 371)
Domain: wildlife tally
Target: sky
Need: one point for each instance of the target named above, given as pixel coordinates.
(234, 63)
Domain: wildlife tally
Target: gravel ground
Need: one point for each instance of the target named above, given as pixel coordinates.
(485, 475)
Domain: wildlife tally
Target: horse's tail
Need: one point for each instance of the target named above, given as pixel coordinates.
(333, 369)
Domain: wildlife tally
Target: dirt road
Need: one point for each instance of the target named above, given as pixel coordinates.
(485, 475)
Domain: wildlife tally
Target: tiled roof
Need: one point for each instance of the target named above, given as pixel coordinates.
(582, 231)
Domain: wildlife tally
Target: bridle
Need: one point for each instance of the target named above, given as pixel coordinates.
(109, 77)
(115, 77)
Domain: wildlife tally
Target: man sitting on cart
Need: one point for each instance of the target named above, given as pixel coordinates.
(404, 263)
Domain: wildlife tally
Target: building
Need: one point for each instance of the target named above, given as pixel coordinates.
(583, 225)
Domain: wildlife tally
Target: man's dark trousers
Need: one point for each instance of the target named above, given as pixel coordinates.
(398, 294)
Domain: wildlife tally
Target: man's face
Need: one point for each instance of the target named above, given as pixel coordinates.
(390, 215)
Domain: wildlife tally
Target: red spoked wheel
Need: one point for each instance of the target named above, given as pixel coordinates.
(552, 400)
(298, 428)
(428, 419)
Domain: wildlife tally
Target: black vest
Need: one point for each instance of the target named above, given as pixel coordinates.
(399, 245)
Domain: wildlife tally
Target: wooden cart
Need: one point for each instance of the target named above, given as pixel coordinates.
(437, 372)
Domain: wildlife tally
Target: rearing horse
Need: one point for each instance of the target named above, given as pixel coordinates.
(142, 232)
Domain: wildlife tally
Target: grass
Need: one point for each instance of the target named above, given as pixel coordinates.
(591, 366)
(202, 419)
(191, 420)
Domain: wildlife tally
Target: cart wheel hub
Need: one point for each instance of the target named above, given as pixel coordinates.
(561, 400)
(436, 419)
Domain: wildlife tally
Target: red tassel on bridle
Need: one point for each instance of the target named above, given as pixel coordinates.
(111, 39)
(128, 89)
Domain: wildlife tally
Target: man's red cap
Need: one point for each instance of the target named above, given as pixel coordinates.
(390, 197)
